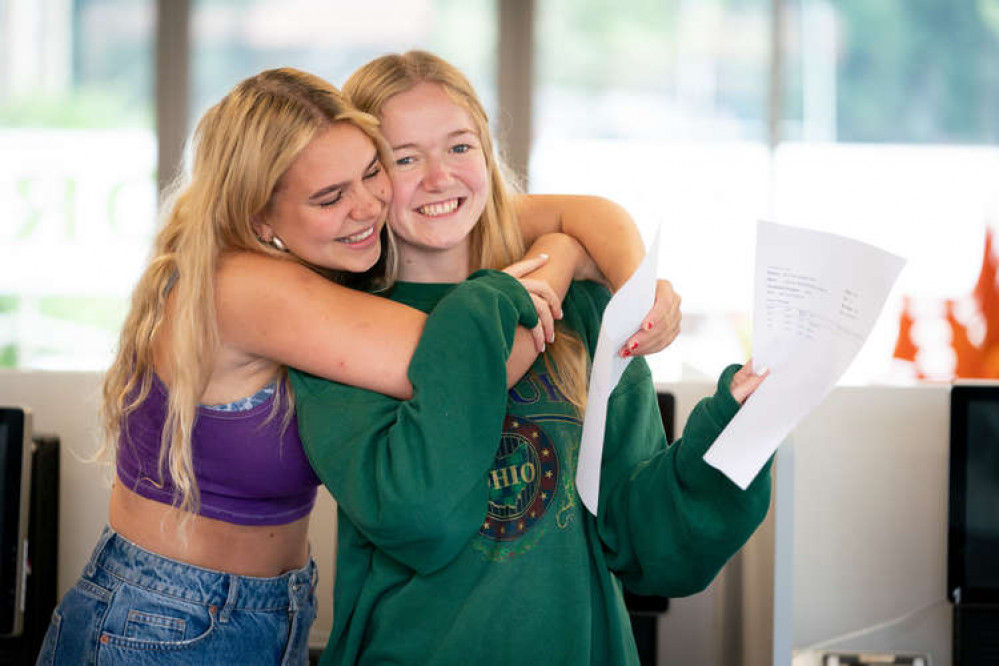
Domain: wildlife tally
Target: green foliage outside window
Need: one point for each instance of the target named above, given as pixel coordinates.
(918, 71)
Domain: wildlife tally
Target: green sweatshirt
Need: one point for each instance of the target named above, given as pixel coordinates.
(453, 550)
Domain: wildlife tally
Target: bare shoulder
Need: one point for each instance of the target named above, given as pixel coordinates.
(254, 267)
(262, 279)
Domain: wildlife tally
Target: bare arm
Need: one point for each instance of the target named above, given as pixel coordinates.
(604, 229)
(609, 235)
(284, 312)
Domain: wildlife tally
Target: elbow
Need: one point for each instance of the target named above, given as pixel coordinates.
(442, 547)
(675, 578)
(703, 572)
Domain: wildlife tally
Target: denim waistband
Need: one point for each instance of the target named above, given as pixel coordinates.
(120, 558)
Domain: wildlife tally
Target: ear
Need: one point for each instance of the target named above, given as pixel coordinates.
(262, 229)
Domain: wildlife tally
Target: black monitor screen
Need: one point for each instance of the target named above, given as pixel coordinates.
(14, 426)
(3, 483)
(973, 548)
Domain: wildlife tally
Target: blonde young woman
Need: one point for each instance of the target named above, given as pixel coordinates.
(205, 560)
(462, 538)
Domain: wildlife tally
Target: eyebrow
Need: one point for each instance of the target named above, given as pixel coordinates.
(319, 194)
(450, 135)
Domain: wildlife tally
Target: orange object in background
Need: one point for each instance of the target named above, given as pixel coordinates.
(905, 348)
(972, 359)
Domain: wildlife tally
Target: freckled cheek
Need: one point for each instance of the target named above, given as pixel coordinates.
(383, 190)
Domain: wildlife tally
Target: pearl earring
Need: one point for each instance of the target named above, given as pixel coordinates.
(276, 242)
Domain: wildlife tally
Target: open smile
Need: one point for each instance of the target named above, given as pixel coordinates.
(359, 237)
(441, 208)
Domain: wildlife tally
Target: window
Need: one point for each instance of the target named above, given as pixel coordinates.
(235, 39)
(891, 121)
(878, 120)
(76, 180)
(663, 108)
(886, 132)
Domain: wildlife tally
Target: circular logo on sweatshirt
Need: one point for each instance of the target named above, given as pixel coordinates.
(522, 481)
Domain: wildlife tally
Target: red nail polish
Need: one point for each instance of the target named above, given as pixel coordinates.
(634, 345)
(648, 325)
(626, 353)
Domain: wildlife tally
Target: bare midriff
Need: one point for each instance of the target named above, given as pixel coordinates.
(247, 550)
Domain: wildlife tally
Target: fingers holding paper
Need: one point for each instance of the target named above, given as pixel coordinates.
(660, 326)
(746, 381)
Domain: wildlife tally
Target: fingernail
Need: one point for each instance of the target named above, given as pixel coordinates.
(633, 346)
(551, 338)
(648, 325)
(626, 352)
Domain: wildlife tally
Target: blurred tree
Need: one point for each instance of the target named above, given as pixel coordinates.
(918, 71)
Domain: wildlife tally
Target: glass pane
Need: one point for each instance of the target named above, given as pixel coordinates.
(233, 39)
(894, 119)
(893, 71)
(77, 179)
(662, 107)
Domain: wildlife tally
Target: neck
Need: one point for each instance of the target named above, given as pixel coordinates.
(421, 265)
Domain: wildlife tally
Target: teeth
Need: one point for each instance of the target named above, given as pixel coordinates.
(440, 208)
(358, 237)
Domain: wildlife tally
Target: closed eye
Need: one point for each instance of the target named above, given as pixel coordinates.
(331, 202)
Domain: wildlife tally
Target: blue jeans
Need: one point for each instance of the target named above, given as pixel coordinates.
(132, 606)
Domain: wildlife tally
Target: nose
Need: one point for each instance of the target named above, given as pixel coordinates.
(437, 176)
(369, 200)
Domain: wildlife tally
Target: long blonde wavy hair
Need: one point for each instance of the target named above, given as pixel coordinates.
(496, 241)
(241, 149)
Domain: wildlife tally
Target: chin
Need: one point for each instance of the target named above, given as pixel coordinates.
(363, 267)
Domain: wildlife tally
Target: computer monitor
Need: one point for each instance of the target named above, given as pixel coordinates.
(973, 525)
(15, 482)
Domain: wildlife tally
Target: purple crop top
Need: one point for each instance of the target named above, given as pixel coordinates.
(248, 471)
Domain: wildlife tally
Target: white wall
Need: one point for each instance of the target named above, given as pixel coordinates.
(870, 521)
(869, 539)
(870, 468)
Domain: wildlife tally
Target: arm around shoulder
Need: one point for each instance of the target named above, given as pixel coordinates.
(283, 311)
(604, 228)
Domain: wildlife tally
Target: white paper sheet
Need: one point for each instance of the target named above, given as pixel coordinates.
(817, 296)
(621, 320)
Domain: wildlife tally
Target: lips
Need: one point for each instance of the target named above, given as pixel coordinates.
(359, 237)
(440, 208)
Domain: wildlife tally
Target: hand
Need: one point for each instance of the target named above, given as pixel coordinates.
(545, 299)
(660, 327)
(745, 382)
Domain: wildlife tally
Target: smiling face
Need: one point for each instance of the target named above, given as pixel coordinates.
(440, 181)
(331, 205)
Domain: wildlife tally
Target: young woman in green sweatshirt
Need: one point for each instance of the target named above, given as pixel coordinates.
(462, 538)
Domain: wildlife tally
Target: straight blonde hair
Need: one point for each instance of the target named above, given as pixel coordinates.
(242, 148)
(496, 240)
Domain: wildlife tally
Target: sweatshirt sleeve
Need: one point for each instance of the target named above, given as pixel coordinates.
(411, 475)
(668, 521)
